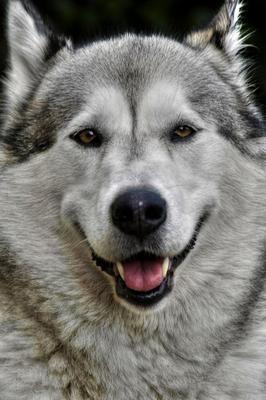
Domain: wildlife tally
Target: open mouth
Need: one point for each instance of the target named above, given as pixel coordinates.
(145, 279)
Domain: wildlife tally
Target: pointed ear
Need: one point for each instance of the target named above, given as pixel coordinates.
(223, 32)
(30, 44)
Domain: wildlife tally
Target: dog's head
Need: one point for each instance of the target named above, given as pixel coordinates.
(134, 135)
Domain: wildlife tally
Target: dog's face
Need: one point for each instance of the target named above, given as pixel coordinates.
(138, 132)
(138, 149)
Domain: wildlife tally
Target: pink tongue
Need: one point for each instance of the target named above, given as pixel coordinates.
(143, 276)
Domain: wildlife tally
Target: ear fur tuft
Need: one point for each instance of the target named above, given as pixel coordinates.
(223, 32)
(31, 44)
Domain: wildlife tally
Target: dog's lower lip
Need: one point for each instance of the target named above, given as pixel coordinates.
(145, 299)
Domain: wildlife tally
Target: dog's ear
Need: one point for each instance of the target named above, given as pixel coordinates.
(31, 44)
(223, 32)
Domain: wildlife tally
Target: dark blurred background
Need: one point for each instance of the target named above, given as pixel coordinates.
(91, 19)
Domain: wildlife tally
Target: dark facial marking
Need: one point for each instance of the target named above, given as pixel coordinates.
(255, 125)
(250, 301)
(32, 133)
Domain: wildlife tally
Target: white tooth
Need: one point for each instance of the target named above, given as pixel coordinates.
(121, 270)
(166, 265)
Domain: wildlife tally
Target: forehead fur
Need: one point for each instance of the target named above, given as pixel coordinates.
(131, 61)
(134, 64)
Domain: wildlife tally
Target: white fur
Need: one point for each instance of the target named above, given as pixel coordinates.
(27, 52)
(234, 41)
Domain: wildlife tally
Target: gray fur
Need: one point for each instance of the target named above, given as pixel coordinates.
(64, 333)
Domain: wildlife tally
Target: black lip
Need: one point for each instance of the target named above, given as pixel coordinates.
(147, 299)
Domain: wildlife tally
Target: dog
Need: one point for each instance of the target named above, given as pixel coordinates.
(132, 217)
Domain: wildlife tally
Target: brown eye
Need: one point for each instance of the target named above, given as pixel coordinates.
(184, 131)
(88, 138)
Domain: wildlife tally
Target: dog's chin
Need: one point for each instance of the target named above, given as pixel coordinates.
(145, 279)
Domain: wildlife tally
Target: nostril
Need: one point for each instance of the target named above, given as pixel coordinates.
(154, 213)
(123, 213)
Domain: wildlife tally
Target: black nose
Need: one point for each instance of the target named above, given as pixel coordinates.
(139, 212)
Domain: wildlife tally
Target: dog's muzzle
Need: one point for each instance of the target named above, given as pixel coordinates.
(145, 279)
